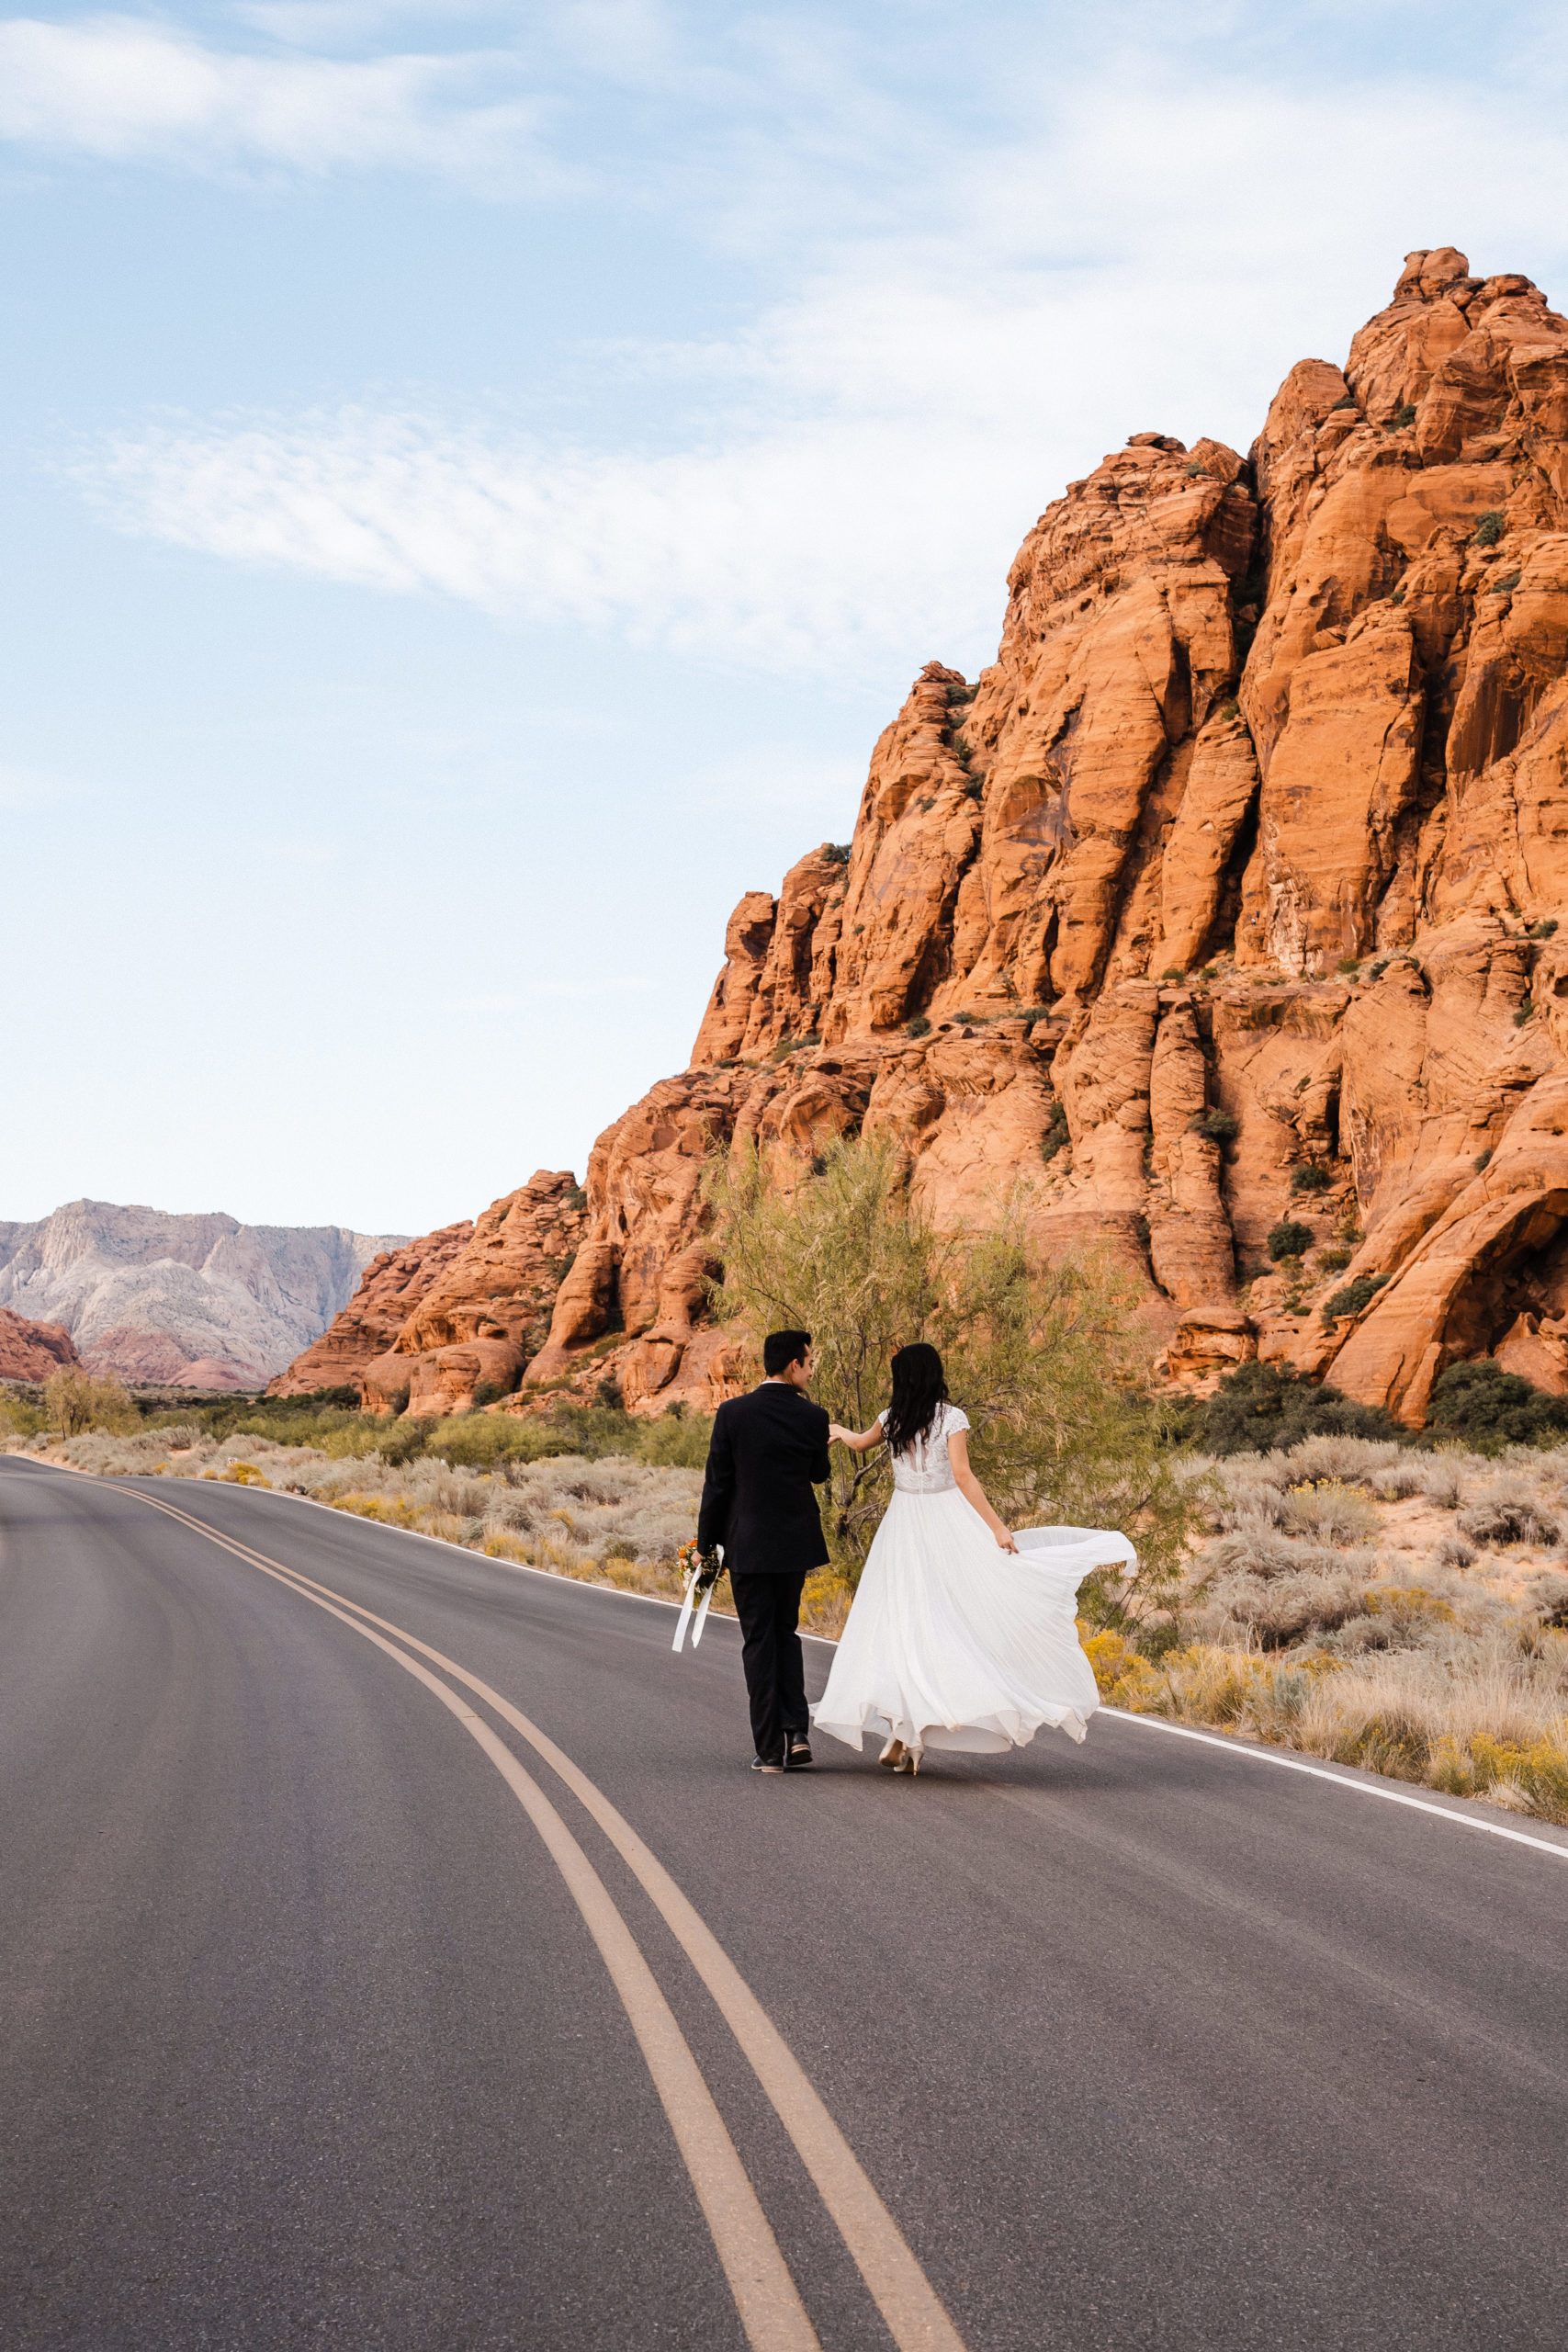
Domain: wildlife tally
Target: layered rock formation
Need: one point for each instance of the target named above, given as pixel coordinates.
(33, 1351)
(392, 1287)
(200, 1302)
(1228, 894)
(489, 1310)
(458, 1314)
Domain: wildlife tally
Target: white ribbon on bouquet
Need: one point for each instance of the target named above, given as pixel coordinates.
(701, 1618)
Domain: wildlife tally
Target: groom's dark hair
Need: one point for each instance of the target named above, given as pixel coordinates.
(781, 1349)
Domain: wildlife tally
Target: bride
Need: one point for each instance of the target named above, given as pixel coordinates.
(962, 1634)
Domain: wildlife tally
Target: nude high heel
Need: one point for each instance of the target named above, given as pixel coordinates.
(894, 1754)
(909, 1762)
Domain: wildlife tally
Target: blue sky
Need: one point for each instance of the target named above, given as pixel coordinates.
(477, 480)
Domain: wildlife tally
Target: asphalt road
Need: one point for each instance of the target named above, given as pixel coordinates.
(306, 2039)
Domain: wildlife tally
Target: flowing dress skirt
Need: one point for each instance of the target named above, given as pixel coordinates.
(953, 1642)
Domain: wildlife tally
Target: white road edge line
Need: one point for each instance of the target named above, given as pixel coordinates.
(909, 2306)
(1341, 1780)
(767, 2299)
(1119, 1714)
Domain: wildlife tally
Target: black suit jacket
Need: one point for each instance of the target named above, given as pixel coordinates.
(767, 1452)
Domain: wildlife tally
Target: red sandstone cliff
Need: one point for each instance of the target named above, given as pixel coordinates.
(1240, 868)
(489, 1310)
(33, 1351)
(461, 1309)
(392, 1286)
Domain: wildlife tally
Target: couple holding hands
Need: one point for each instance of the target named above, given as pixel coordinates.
(962, 1634)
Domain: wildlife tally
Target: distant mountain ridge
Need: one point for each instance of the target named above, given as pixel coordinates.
(195, 1301)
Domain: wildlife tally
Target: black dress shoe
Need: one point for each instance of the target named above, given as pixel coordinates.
(758, 1765)
(797, 1753)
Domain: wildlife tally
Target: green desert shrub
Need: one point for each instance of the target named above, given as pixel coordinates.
(1058, 1136)
(1288, 1238)
(679, 1441)
(1486, 1408)
(21, 1412)
(1264, 1408)
(1220, 1126)
(1310, 1178)
(476, 1441)
(1490, 528)
(1352, 1297)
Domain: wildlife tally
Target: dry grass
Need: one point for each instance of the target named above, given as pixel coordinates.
(1371, 1606)
(616, 1522)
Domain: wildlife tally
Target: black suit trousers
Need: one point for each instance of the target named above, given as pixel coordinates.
(768, 1610)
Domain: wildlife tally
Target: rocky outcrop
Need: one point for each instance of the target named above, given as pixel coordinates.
(489, 1309)
(392, 1286)
(191, 1301)
(33, 1351)
(455, 1316)
(1227, 896)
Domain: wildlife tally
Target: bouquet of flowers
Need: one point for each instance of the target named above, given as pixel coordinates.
(702, 1571)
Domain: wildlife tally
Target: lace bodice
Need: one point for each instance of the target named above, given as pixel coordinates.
(925, 1468)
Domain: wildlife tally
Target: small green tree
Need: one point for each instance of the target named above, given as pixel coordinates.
(75, 1403)
(1045, 1359)
(840, 1255)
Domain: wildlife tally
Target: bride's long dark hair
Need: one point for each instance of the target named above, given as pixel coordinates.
(919, 1389)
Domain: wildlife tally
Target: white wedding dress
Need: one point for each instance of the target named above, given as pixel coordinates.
(952, 1642)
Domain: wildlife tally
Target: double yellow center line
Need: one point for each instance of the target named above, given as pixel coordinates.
(766, 2297)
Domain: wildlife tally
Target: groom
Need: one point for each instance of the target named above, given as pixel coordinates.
(768, 1451)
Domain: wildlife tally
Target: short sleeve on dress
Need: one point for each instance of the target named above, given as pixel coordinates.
(953, 1418)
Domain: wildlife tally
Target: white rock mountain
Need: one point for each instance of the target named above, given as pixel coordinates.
(202, 1301)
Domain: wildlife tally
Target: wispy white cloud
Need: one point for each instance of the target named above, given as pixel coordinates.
(967, 319)
(790, 551)
(126, 88)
